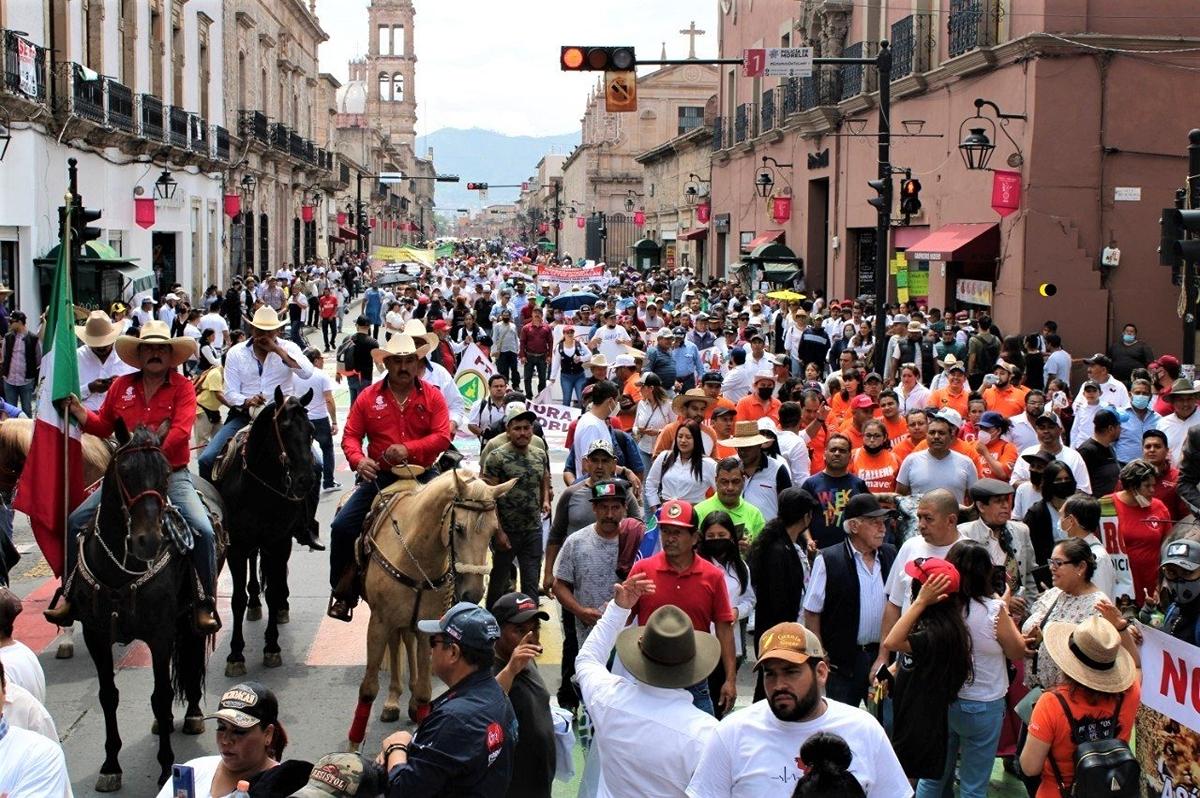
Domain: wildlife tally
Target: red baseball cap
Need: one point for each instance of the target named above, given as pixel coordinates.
(924, 568)
(863, 401)
(676, 513)
(440, 325)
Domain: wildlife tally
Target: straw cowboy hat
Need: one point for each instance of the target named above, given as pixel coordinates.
(1091, 653)
(668, 651)
(265, 318)
(99, 331)
(745, 433)
(154, 332)
(416, 330)
(693, 395)
(597, 361)
(399, 345)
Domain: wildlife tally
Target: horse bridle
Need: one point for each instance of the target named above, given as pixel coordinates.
(284, 461)
(475, 506)
(129, 500)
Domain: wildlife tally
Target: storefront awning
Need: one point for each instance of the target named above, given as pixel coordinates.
(766, 238)
(694, 234)
(346, 234)
(961, 242)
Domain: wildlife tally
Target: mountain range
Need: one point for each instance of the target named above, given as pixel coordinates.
(485, 156)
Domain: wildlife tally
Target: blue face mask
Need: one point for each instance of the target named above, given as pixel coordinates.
(1127, 338)
(1140, 401)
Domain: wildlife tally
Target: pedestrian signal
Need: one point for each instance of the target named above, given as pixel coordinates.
(910, 196)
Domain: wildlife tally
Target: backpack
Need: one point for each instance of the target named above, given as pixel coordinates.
(1104, 765)
(988, 355)
(345, 354)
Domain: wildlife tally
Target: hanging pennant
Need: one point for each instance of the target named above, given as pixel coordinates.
(702, 211)
(143, 212)
(639, 218)
(233, 205)
(781, 209)
(306, 213)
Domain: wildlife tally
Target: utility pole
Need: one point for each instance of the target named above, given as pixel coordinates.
(1189, 264)
(557, 220)
(883, 219)
(358, 212)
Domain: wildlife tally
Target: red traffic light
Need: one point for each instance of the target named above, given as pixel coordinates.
(572, 58)
(477, 186)
(597, 59)
(910, 188)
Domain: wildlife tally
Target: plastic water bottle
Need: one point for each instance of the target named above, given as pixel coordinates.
(243, 790)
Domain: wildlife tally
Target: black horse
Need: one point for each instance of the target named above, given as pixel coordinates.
(266, 489)
(131, 583)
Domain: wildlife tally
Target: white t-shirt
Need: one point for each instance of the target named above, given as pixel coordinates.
(32, 765)
(319, 382)
(216, 322)
(588, 429)
(612, 342)
(24, 711)
(753, 754)
(204, 769)
(899, 584)
(1176, 430)
(922, 472)
(21, 667)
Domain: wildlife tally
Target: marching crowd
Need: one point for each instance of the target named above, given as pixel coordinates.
(927, 565)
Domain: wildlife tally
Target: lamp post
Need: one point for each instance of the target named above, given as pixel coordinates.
(976, 147)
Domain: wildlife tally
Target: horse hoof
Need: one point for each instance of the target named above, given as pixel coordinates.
(272, 659)
(154, 727)
(235, 669)
(66, 650)
(108, 782)
(282, 617)
(254, 613)
(193, 724)
(390, 714)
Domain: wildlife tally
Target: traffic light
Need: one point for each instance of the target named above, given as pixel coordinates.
(1174, 244)
(81, 231)
(597, 59)
(477, 186)
(910, 196)
(883, 190)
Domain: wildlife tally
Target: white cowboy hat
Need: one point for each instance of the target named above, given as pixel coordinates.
(401, 345)
(154, 332)
(597, 361)
(416, 329)
(99, 331)
(692, 395)
(265, 318)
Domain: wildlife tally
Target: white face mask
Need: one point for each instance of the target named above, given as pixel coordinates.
(984, 436)
(1141, 500)
(616, 409)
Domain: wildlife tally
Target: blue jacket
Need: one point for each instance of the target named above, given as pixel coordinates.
(687, 361)
(464, 747)
(661, 363)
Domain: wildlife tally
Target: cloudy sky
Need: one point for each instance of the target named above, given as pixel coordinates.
(495, 65)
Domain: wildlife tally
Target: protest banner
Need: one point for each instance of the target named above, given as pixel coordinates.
(555, 418)
(1110, 534)
(570, 279)
(471, 379)
(1168, 722)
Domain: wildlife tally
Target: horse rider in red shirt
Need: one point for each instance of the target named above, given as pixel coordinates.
(157, 392)
(405, 421)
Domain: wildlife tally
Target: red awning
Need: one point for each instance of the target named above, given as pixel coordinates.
(693, 234)
(974, 241)
(769, 237)
(335, 240)
(346, 234)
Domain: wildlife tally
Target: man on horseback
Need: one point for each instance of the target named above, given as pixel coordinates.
(153, 394)
(406, 422)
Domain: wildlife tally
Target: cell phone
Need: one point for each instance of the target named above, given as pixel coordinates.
(183, 781)
(884, 674)
(1041, 575)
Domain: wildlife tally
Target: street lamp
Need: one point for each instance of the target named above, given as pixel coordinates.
(164, 187)
(629, 199)
(249, 182)
(977, 147)
(764, 179)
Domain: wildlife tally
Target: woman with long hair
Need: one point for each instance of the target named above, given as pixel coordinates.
(911, 392)
(209, 356)
(682, 472)
(976, 716)
(1057, 484)
(1144, 523)
(719, 545)
(839, 402)
(863, 342)
(652, 415)
(568, 358)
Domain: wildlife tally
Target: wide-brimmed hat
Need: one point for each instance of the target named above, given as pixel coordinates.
(745, 433)
(1091, 653)
(154, 332)
(265, 318)
(416, 330)
(98, 331)
(668, 651)
(597, 361)
(1182, 387)
(399, 345)
(689, 396)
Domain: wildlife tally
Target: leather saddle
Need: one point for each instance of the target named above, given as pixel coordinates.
(227, 455)
(381, 509)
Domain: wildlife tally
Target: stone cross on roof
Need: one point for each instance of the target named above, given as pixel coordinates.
(691, 32)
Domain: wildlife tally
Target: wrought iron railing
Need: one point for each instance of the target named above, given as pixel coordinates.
(296, 145)
(904, 47)
(199, 133)
(254, 125)
(87, 95)
(344, 174)
(972, 24)
(741, 123)
(120, 106)
(791, 95)
(221, 140)
(24, 67)
(280, 136)
(821, 88)
(718, 128)
(179, 121)
(310, 152)
(152, 117)
(767, 111)
(857, 78)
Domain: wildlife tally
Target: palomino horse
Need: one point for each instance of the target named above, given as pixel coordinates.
(415, 572)
(131, 583)
(268, 481)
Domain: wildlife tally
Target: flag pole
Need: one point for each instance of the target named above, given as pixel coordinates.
(66, 415)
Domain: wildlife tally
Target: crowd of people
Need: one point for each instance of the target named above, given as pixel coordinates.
(934, 549)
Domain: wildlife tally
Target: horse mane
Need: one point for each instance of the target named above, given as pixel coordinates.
(17, 434)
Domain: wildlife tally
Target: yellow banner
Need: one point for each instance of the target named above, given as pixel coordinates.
(404, 255)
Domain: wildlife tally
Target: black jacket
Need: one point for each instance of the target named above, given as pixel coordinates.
(778, 578)
(839, 618)
(1188, 486)
(1041, 531)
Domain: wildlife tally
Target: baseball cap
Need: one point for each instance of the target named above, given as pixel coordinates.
(863, 401)
(517, 608)
(924, 568)
(991, 420)
(341, 775)
(1038, 457)
(610, 489)
(1099, 359)
(789, 642)
(711, 377)
(469, 625)
(246, 705)
(676, 513)
(624, 360)
(602, 445)
(864, 505)
(724, 410)
(1092, 385)
(1048, 416)
(1183, 554)
(950, 416)
(679, 332)
(517, 411)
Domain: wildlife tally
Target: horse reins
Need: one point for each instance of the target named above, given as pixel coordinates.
(286, 493)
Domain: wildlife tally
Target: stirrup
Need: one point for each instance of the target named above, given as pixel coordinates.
(59, 611)
(340, 608)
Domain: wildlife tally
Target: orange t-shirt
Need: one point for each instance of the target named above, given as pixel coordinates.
(853, 433)
(897, 431)
(839, 410)
(721, 402)
(1050, 725)
(878, 471)
(1003, 451)
(1008, 402)
(816, 451)
(904, 449)
(943, 398)
(750, 408)
(624, 421)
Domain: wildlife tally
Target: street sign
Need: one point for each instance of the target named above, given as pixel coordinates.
(391, 177)
(754, 62)
(789, 62)
(620, 92)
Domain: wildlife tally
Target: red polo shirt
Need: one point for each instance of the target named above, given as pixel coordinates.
(422, 425)
(699, 591)
(174, 401)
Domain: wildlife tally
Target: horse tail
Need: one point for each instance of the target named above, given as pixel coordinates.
(189, 659)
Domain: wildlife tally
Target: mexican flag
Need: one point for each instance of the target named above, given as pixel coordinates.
(52, 480)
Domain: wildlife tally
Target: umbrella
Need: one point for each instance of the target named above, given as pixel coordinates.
(786, 295)
(573, 300)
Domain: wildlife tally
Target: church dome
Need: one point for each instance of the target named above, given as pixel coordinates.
(352, 98)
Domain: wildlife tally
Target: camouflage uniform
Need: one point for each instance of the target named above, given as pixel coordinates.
(520, 515)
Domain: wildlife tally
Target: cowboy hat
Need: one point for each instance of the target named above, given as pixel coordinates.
(265, 318)
(5, 290)
(693, 395)
(1091, 653)
(99, 331)
(1182, 387)
(399, 345)
(668, 652)
(597, 361)
(416, 329)
(154, 332)
(745, 433)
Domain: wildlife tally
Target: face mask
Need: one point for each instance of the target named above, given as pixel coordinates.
(984, 436)
(718, 548)
(765, 393)
(1127, 338)
(1140, 401)
(1141, 500)
(615, 411)
(1061, 490)
(873, 449)
(1185, 592)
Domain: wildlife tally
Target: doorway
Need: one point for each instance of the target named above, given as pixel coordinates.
(817, 246)
(163, 247)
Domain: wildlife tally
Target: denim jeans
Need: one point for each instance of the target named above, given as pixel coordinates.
(702, 698)
(234, 423)
(572, 388)
(323, 435)
(21, 395)
(348, 523)
(532, 363)
(975, 733)
(182, 493)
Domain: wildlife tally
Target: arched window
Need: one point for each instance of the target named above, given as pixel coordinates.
(398, 87)
(385, 87)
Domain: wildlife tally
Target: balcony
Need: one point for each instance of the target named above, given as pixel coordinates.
(790, 89)
(718, 129)
(296, 145)
(221, 138)
(199, 133)
(178, 122)
(973, 24)
(120, 106)
(912, 45)
(24, 67)
(254, 125)
(310, 152)
(152, 118)
(819, 89)
(857, 78)
(280, 137)
(741, 123)
(767, 112)
(87, 96)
